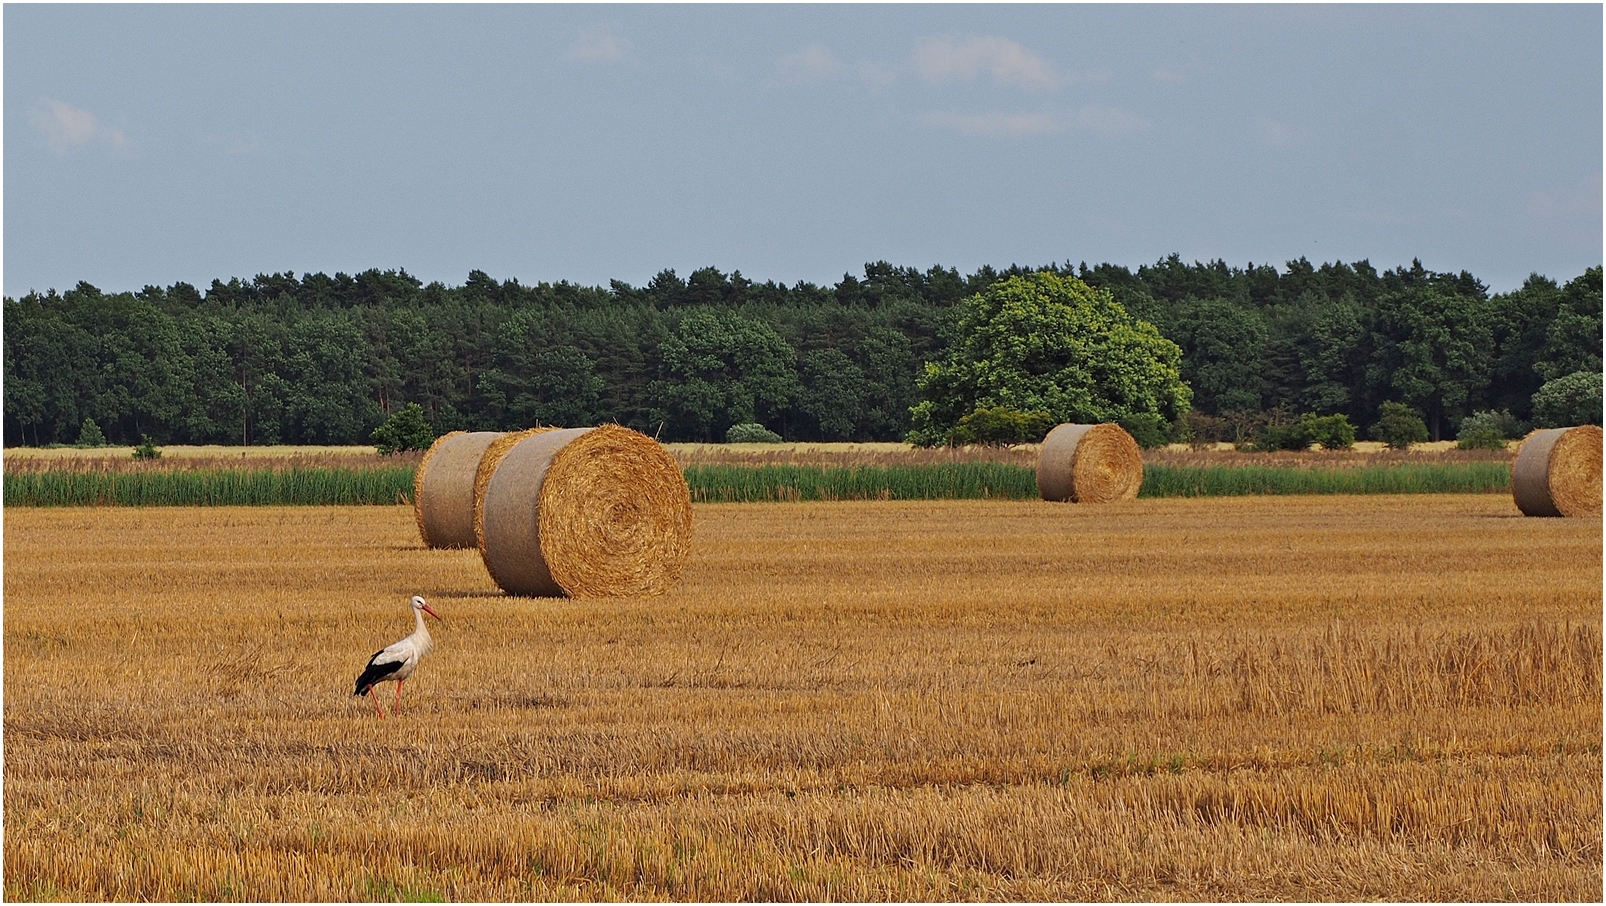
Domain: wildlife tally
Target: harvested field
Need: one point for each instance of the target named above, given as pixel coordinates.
(1294, 698)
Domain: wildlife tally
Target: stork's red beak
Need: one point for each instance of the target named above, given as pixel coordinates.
(432, 613)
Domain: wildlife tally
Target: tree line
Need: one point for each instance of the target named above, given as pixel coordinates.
(317, 359)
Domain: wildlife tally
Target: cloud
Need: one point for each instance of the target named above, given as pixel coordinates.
(66, 127)
(816, 64)
(598, 45)
(943, 59)
(995, 124)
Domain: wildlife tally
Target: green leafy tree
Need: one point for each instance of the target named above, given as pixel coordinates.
(90, 435)
(1573, 337)
(147, 448)
(406, 429)
(1148, 430)
(1432, 349)
(1221, 353)
(1399, 426)
(725, 369)
(1041, 342)
(1487, 430)
(1518, 321)
(1573, 399)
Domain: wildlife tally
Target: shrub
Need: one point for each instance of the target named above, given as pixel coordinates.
(1000, 426)
(1333, 432)
(1488, 430)
(1399, 426)
(146, 449)
(1202, 430)
(1281, 437)
(751, 433)
(1574, 399)
(90, 435)
(1149, 429)
(406, 429)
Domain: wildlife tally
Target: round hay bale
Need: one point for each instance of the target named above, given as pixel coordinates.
(1089, 464)
(489, 460)
(1557, 472)
(586, 512)
(443, 488)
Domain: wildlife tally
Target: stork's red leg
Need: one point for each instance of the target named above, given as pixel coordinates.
(397, 711)
(375, 696)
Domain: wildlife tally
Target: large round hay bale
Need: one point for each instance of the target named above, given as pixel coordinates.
(489, 460)
(586, 512)
(1557, 472)
(443, 488)
(1089, 464)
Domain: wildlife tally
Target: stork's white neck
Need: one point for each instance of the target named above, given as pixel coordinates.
(421, 632)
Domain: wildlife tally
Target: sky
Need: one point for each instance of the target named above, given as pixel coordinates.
(148, 145)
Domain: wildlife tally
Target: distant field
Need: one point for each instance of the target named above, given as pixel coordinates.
(209, 451)
(1259, 698)
(25, 459)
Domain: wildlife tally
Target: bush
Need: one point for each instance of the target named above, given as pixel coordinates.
(406, 429)
(1280, 437)
(751, 433)
(1488, 430)
(1203, 430)
(1149, 429)
(90, 435)
(1000, 426)
(1399, 426)
(1333, 432)
(146, 449)
(1574, 399)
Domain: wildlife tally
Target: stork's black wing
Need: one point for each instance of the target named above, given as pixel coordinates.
(376, 672)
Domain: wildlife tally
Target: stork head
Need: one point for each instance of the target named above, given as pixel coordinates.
(419, 604)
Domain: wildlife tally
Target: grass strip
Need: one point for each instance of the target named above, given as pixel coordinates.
(1395, 478)
(264, 487)
(743, 484)
(947, 481)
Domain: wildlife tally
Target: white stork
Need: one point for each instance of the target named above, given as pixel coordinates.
(398, 661)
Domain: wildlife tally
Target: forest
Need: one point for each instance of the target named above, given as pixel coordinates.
(315, 359)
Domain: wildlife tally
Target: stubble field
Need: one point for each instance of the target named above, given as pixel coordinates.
(1295, 697)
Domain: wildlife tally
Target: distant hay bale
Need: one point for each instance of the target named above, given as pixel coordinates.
(1089, 464)
(1557, 472)
(586, 512)
(443, 488)
(489, 460)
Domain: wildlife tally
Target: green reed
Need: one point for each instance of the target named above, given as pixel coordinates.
(256, 487)
(388, 485)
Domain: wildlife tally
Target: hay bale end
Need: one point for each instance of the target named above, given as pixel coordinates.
(443, 488)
